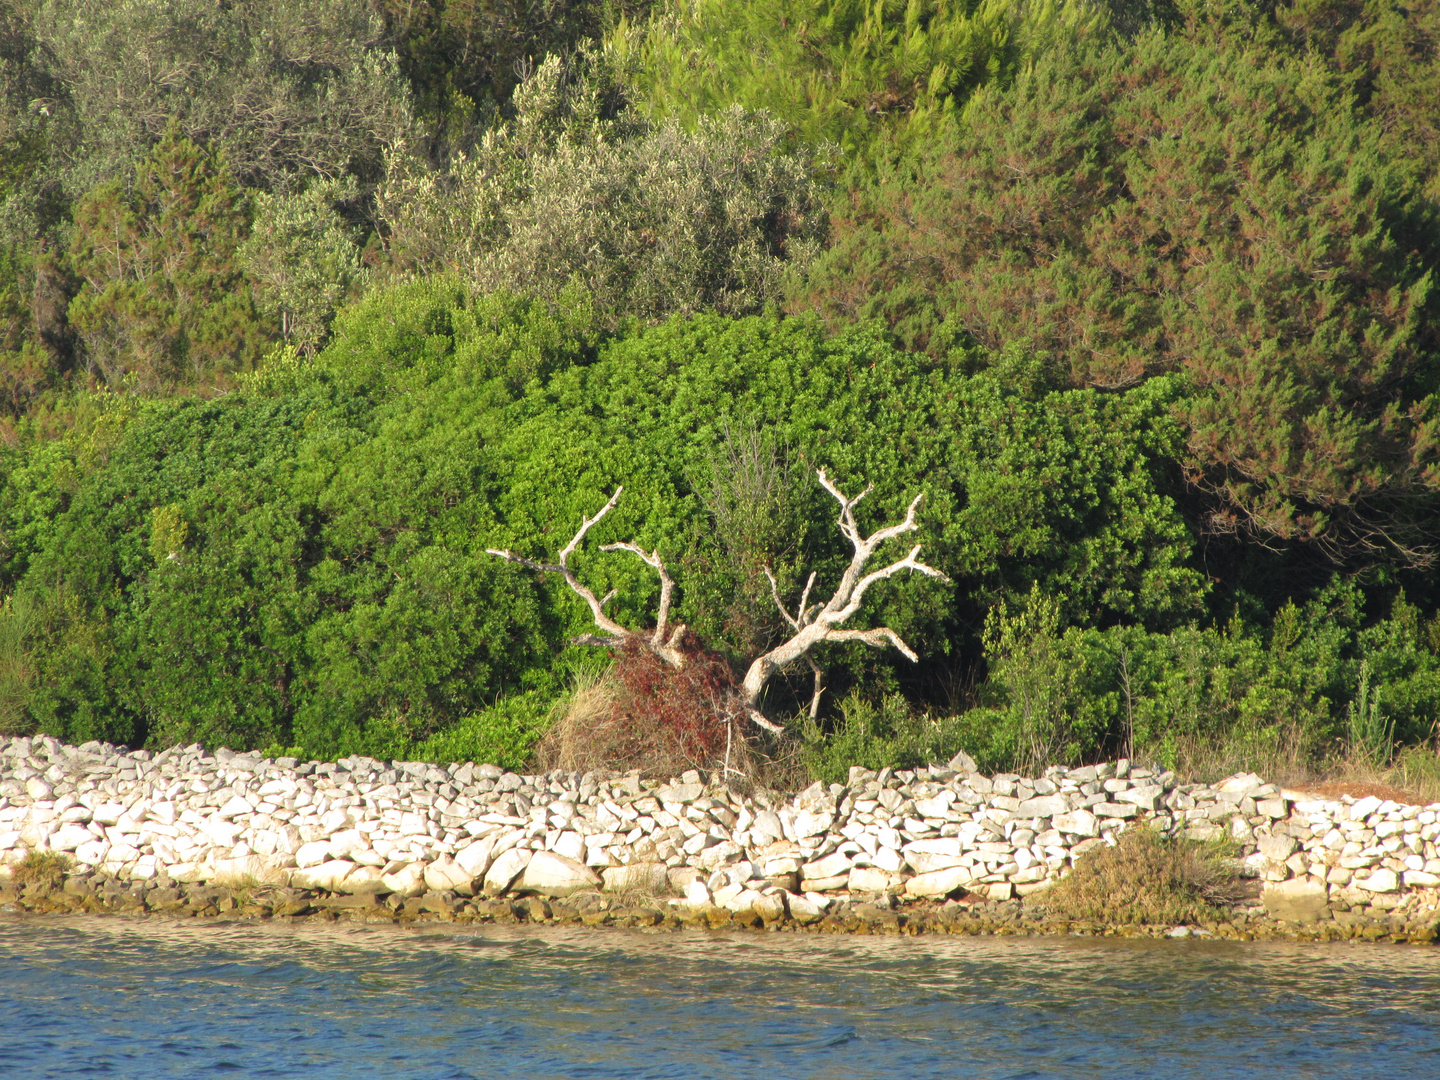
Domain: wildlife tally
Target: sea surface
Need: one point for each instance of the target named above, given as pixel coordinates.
(106, 997)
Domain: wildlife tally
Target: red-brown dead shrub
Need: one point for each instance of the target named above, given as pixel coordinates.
(685, 707)
(645, 714)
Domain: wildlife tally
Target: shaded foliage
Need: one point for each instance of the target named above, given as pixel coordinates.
(288, 90)
(1190, 207)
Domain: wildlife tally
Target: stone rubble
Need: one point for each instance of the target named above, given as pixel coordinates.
(414, 833)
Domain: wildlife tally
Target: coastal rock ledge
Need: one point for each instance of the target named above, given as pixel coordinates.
(413, 836)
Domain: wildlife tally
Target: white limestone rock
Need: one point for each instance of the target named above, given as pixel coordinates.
(443, 875)
(363, 880)
(553, 874)
(506, 867)
(939, 883)
(327, 875)
(474, 858)
(70, 837)
(1383, 880)
(405, 881)
(312, 854)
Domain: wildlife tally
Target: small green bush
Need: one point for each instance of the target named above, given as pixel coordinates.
(45, 867)
(504, 734)
(889, 733)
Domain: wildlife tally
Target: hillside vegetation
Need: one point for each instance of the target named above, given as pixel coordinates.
(306, 307)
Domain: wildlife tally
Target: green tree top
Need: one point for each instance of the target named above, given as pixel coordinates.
(1197, 206)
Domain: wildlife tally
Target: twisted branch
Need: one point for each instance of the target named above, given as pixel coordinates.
(663, 640)
(812, 625)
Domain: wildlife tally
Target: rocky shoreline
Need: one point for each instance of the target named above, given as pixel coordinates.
(943, 849)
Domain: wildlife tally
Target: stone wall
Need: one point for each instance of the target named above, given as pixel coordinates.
(404, 829)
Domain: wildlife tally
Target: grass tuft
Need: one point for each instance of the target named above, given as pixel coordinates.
(1147, 879)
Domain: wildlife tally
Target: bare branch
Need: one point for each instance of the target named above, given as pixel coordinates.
(596, 639)
(907, 563)
(590, 523)
(757, 717)
(775, 592)
(665, 646)
(804, 610)
(824, 622)
(667, 586)
(876, 639)
(819, 687)
(597, 606)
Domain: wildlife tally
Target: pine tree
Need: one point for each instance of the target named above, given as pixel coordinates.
(163, 300)
(1195, 206)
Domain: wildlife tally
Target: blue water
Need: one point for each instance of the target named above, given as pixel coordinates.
(156, 1000)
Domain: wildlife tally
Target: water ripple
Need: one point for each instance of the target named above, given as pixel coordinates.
(151, 999)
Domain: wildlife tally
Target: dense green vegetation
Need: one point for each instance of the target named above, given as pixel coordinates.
(304, 307)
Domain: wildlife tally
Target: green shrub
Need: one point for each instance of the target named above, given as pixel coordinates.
(504, 734)
(304, 259)
(888, 734)
(16, 665)
(580, 193)
(44, 867)
(1209, 700)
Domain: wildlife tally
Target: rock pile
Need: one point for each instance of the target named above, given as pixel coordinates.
(367, 828)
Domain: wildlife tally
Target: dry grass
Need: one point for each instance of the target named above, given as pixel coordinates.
(1285, 757)
(46, 867)
(1146, 879)
(1413, 778)
(1293, 761)
(242, 887)
(577, 740)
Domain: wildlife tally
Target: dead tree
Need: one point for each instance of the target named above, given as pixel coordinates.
(815, 623)
(812, 623)
(663, 640)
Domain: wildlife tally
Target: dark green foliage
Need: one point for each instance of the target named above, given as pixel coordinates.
(1388, 56)
(1196, 207)
(463, 58)
(26, 369)
(504, 733)
(299, 569)
(1000, 512)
